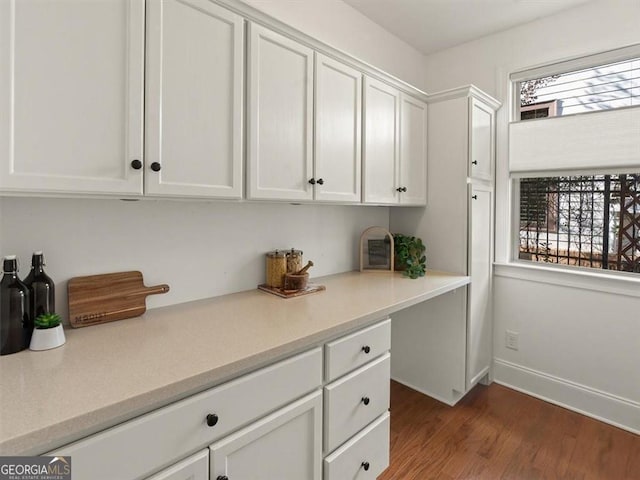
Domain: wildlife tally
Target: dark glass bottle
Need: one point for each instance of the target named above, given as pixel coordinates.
(42, 290)
(16, 325)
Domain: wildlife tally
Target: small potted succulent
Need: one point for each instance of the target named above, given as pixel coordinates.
(409, 255)
(48, 332)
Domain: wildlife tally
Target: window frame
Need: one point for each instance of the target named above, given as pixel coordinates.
(613, 281)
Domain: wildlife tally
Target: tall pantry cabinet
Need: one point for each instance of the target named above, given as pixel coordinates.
(457, 228)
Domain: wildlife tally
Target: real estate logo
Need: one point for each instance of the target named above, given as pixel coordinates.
(35, 468)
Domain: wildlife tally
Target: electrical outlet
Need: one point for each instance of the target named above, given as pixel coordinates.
(511, 340)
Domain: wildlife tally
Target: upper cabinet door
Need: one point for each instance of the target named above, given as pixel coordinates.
(280, 117)
(194, 100)
(481, 141)
(71, 96)
(337, 131)
(413, 151)
(381, 144)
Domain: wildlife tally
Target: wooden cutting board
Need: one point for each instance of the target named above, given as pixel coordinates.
(104, 298)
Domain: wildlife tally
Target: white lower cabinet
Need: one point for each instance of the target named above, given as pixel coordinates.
(365, 456)
(285, 445)
(277, 422)
(355, 400)
(151, 442)
(196, 467)
(356, 404)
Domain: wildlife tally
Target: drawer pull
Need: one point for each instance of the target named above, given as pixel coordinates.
(365, 400)
(364, 465)
(222, 477)
(212, 419)
(366, 349)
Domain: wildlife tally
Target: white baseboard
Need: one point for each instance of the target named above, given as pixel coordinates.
(611, 409)
(455, 397)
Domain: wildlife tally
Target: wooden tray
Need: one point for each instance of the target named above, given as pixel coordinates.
(311, 288)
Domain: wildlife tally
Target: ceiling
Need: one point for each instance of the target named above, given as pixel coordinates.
(433, 25)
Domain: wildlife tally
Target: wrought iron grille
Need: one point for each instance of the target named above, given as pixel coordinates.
(589, 221)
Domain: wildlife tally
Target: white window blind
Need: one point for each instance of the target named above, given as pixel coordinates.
(606, 139)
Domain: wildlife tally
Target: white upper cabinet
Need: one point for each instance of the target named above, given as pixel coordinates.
(71, 96)
(381, 142)
(194, 100)
(413, 151)
(280, 117)
(338, 94)
(481, 129)
(395, 146)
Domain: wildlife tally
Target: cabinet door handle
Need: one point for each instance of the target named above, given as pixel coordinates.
(212, 419)
(475, 162)
(404, 189)
(155, 166)
(320, 181)
(366, 349)
(222, 477)
(312, 181)
(365, 465)
(136, 164)
(475, 197)
(365, 400)
(401, 189)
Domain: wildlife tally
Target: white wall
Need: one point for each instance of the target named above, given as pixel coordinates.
(201, 249)
(204, 249)
(577, 347)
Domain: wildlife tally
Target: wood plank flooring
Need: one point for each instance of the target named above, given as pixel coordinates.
(498, 433)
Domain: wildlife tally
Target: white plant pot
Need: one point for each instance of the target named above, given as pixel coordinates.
(47, 338)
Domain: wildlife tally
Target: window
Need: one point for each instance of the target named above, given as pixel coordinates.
(587, 220)
(576, 207)
(602, 87)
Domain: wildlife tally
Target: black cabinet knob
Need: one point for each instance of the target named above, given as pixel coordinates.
(136, 164)
(312, 181)
(366, 349)
(155, 166)
(404, 189)
(320, 181)
(222, 477)
(212, 419)
(401, 189)
(475, 162)
(365, 400)
(475, 197)
(365, 465)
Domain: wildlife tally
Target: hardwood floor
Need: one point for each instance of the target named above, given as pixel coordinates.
(498, 433)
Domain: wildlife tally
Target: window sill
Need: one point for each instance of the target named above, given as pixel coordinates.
(616, 283)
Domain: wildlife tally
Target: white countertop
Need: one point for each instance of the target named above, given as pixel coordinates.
(106, 374)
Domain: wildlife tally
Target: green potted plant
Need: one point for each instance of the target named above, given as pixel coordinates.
(409, 255)
(48, 332)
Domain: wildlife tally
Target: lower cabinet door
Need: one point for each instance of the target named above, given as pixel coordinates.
(363, 457)
(286, 445)
(196, 467)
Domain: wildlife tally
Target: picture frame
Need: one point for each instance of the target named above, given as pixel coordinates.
(376, 250)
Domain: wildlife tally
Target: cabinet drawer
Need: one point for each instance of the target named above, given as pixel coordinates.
(369, 448)
(196, 467)
(354, 401)
(353, 351)
(153, 441)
